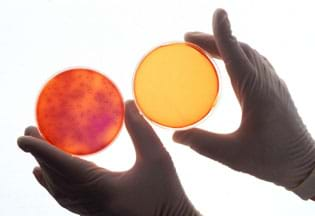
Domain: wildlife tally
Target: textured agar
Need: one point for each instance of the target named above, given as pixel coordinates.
(80, 111)
(176, 85)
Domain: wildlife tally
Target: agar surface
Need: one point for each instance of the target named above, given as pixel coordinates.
(176, 85)
(80, 111)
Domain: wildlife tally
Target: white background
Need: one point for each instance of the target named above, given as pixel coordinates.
(38, 38)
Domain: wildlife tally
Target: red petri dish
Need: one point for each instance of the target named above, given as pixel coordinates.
(80, 111)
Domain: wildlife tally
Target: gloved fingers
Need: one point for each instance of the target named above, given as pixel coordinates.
(32, 131)
(205, 41)
(230, 49)
(50, 155)
(48, 184)
(49, 180)
(147, 143)
(62, 167)
(219, 147)
(52, 181)
(37, 172)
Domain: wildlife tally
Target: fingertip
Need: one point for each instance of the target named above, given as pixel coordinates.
(180, 136)
(132, 114)
(229, 47)
(33, 132)
(29, 130)
(221, 23)
(130, 106)
(37, 172)
(131, 111)
(176, 136)
(146, 142)
(205, 41)
(22, 143)
(128, 102)
(192, 35)
(199, 38)
(133, 119)
(220, 13)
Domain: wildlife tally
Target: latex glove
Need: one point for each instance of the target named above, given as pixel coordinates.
(151, 187)
(272, 143)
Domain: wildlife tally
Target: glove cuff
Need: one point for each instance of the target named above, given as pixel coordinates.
(306, 189)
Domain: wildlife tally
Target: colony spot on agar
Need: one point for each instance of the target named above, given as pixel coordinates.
(176, 85)
(80, 111)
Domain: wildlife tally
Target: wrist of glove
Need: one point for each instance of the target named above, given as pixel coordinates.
(305, 188)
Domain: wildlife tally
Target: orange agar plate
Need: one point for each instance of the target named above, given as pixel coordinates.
(80, 111)
(176, 85)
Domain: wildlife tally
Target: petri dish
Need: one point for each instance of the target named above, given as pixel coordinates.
(80, 111)
(176, 85)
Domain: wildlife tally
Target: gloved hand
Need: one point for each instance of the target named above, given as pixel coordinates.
(272, 143)
(151, 187)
